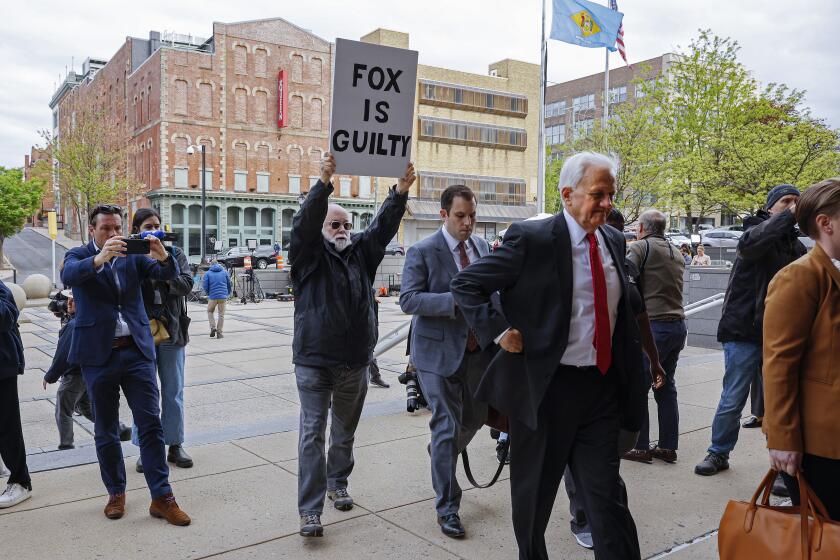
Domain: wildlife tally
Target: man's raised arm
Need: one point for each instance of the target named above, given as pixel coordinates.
(386, 224)
(309, 220)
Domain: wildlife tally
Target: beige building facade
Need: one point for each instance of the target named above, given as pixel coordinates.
(473, 129)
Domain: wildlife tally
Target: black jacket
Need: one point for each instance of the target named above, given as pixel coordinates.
(60, 365)
(768, 245)
(334, 316)
(167, 297)
(532, 270)
(11, 347)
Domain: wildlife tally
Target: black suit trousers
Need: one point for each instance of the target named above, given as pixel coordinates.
(578, 425)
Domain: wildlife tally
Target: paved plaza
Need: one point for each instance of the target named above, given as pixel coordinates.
(242, 416)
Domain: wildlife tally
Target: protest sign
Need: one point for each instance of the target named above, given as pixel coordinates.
(372, 109)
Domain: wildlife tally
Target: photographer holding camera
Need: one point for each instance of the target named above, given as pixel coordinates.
(166, 308)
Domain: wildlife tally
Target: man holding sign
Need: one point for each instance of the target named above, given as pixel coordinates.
(373, 108)
(334, 334)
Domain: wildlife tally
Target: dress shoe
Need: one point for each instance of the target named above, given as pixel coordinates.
(753, 422)
(178, 456)
(125, 432)
(585, 540)
(712, 464)
(310, 526)
(639, 456)
(450, 525)
(341, 499)
(503, 452)
(14, 494)
(167, 508)
(66, 446)
(667, 455)
(139, 465)
(212, 333)
(779, 488)
(115, 507)
(378, 381)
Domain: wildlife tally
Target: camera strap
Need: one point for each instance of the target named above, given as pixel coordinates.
(468, 471)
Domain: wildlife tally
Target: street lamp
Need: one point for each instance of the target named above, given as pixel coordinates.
(202, 243)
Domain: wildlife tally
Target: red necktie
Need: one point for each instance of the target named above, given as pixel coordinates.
(602, 341)
(472, 340)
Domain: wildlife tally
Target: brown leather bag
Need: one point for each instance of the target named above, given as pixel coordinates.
(759, 531)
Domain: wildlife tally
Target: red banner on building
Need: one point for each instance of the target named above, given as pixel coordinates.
(282, 99)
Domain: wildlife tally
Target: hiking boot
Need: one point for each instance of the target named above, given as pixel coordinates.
(115, 508)
(310, 525)
(341, 499)
(167, 508)
(712, 464)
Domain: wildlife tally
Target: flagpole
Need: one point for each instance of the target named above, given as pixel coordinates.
(541, 124)
(606, 90)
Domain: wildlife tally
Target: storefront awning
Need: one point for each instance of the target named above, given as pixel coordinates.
(430, 210)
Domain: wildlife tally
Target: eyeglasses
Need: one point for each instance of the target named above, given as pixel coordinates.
(335, 224)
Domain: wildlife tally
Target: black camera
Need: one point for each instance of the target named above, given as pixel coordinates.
(58, 305)
(414, 399)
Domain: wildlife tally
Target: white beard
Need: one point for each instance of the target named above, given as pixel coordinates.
(342, 244)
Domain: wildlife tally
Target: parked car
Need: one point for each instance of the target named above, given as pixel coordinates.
(735, 227)
(395, 249)
(261, 257)
(679, 239)
(720, 238)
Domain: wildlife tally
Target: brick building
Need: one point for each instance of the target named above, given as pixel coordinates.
(473, 129)
(226, 93)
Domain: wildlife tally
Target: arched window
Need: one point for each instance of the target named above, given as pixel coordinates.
(317, 110)
(240, 59)
(205, 100)
(180, 97)
(261, 108)
(297, 68)
(296, 111)
(260, 66)
(316, 66)
(240, 99)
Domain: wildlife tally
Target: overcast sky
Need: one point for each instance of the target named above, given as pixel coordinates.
(782, 41)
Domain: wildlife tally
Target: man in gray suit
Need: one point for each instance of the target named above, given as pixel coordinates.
(444, 349)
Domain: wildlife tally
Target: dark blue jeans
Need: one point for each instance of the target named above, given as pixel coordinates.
(742, 361)
(670, 340)
(130, 369)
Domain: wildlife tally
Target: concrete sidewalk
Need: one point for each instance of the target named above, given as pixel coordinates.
(242, 420)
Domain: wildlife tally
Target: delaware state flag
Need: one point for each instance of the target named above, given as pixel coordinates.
(585, 23)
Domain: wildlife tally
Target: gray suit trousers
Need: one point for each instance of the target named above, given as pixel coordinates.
(456, 417)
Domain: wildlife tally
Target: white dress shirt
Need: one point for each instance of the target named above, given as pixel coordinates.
(453, 243)
(580, 351)
(122, 327)
(836, 263)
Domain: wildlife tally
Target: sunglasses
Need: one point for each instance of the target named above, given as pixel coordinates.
(335, 224)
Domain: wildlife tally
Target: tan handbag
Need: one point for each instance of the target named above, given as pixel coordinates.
(159, 332)
(759, 531)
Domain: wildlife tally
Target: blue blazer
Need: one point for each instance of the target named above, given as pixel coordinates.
(98, 299)
(439, 331)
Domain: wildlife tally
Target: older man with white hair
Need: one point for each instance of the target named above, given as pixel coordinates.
(335, 331)
(570, 375)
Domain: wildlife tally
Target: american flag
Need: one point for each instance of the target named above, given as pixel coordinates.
(620, 39)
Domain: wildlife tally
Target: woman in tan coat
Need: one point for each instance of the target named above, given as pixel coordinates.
(802, 354)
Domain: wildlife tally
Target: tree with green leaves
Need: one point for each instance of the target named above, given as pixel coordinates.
(19, 199)
(92, 156)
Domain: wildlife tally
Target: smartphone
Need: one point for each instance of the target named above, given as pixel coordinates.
(137, 247)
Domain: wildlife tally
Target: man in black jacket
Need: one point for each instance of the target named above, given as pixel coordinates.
(334, 334)
(769, 243)
(12, 447)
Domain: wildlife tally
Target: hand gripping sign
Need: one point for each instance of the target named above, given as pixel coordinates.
(372, 109)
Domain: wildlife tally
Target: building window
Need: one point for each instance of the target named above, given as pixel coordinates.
(317, 111)
(240, 181)
(286, 228)
(240, 96)
(345, 187)
(208, 179)
(555, 109)
(180, 97)
(365, 219)
(584, 102)
(584, 127)
(555, 134)
(205, 100)
(618, 94)
(297, 68)
(492, 190)
(472, 134)
(260, 66)
(296, 111)
(465, 97)
(261, 108)
(645, 88)
(364, 187)
(181, 174)
(262, 182)
(240, 59)
(294, 184)
(315, 70)
(313, 179)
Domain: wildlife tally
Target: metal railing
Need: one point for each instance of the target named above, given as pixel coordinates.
(399, 334)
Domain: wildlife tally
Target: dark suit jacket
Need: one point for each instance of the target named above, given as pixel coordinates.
(439, 332)
(98, 300)
(533, 271)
